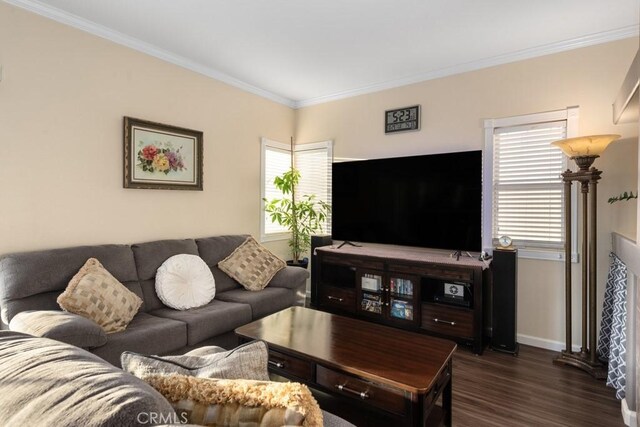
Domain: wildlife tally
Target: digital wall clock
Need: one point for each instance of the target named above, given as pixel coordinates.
(402, 119)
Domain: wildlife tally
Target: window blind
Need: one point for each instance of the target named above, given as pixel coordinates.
(314, 164)
(527, 187)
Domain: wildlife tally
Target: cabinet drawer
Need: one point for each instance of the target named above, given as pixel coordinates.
(447, 320)
(377, 395)
(353, 262)
(344, 299)
(433, 271)
(333, 259)
(288, 366)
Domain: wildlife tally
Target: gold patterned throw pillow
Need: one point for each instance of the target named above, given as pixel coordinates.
(95, 294)
(252, 265)
(215, 402)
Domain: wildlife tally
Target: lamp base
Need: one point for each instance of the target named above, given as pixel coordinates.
(581, 361)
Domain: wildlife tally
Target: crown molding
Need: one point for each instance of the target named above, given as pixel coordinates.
(147, 48)
(589, 40)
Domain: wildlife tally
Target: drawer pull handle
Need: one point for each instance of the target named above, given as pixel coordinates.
(276, 364)
(334, 298)
(362, 394)
(435, 319)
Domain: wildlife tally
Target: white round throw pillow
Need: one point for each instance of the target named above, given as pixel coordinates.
(185, 281)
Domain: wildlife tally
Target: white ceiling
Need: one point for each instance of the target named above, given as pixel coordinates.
(301, 52)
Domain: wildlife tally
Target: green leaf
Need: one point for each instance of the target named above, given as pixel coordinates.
(302, 215)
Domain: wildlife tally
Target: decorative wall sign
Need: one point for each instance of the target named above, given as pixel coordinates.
(402, 119)
(162, 157)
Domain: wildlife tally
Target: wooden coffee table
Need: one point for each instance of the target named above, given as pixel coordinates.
(396, 374)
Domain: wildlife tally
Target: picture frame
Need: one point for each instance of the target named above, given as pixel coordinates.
(161, 157)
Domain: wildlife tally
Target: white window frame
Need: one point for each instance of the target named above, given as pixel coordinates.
(571, 115)
(264, 144)
(267, 143)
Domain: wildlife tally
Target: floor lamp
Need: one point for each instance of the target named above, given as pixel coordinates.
(583, 150)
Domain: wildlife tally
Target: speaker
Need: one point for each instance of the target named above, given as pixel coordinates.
(504, 300)
(316, 242)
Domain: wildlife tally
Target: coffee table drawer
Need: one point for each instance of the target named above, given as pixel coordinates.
(288, 366)
(377, 395)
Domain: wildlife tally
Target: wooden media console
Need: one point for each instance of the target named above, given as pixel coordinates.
(409, 288)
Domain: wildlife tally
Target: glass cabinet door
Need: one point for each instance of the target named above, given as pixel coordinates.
(371, 286)
(401, 297)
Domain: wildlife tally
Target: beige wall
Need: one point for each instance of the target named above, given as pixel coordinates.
(453, 112)
(62, 100)
(64, 93)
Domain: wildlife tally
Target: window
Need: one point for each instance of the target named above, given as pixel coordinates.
(523, 187)
(314, 163)
(276, 159)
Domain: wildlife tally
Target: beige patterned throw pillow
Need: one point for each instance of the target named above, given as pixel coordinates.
(95, 294)
(252, 265)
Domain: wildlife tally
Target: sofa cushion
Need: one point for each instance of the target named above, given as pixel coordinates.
(95, 294)
(215, 249)
(33, 280)
(252, 265)
(239, 402)
(59, 325)
(265, 302)
(149, 257)
(145, 333)
(210, 320)
(49, 383)
(247, 361)
(185, 281)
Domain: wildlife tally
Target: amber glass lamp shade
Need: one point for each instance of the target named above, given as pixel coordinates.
(585, 149)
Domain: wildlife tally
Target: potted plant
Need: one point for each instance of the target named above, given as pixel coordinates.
(303, 216)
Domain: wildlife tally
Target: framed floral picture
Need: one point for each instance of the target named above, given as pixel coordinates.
(163, 157)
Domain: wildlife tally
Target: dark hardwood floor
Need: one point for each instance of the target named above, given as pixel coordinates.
(498, 389)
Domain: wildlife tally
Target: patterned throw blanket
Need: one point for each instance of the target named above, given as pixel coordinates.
(613, 339)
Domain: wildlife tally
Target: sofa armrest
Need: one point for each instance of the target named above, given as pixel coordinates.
(61, 326)
(290, 278)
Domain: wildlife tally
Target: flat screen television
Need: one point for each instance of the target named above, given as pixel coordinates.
(432, 201)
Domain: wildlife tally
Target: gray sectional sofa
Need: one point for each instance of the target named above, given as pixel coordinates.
(49, 383)
(33, 281)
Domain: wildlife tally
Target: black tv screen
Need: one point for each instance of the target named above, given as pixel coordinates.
(432, 201)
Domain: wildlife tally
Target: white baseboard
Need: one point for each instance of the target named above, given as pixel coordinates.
(629, 417)
(544, 343)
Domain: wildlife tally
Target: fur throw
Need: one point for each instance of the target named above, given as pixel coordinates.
(248, 393)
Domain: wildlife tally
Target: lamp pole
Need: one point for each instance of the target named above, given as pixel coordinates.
(583, 150)
(586, 359)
